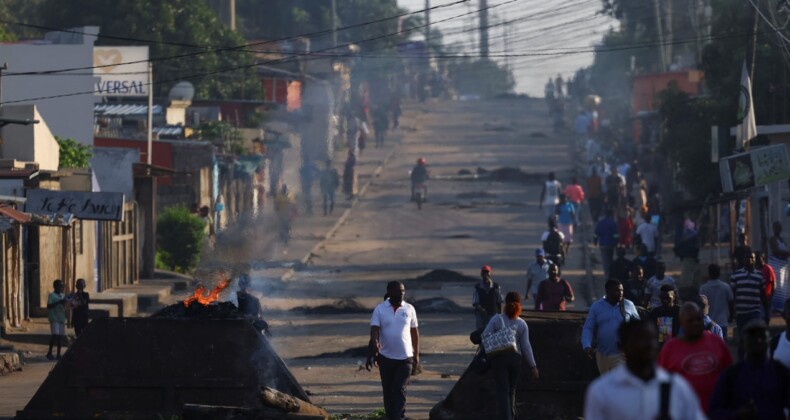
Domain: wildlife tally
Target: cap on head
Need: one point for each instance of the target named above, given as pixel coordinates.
(540, 252)
(485, 268)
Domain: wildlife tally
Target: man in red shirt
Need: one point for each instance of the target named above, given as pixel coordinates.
(553, 292)
(770, 281)
(696, 354)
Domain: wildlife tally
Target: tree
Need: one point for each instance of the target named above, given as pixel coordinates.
(170, 27)
(482, 77)
(73, 154)
(180, 238)
(686, 140)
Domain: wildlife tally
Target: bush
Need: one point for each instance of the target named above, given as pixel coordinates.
(73, 154)
(180, 238)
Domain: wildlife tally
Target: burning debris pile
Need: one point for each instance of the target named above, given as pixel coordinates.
(200, 358)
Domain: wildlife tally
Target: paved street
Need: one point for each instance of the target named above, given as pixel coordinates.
(464, 225)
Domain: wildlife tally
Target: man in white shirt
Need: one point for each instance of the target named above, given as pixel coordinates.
(634, 390)
(648, 233)
(394, 347)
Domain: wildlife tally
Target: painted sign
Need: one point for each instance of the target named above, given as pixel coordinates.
(120, 71)
(757, 167)
(83, 205)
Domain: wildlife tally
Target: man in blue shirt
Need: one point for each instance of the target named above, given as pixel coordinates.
(602, 322)
(606, 234)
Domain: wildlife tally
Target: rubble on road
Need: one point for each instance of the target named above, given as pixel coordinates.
(215, 310)
(341, 306)
(444, 275)
(9, 362)
(437, 305)
(475, 194)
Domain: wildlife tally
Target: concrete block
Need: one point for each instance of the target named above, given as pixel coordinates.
(125, 302)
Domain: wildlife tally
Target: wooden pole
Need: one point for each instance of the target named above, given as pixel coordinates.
(290, 404)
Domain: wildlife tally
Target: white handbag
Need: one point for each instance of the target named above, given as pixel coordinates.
(501, 340)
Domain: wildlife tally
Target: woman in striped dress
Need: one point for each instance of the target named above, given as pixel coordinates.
(779, 261)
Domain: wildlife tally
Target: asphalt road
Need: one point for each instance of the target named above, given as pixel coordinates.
(464, 225)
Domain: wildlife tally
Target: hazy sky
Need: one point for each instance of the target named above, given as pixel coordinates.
(537, 28)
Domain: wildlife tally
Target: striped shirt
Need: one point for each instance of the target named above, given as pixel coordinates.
(748, 287)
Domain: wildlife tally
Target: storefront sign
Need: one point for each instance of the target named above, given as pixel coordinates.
(114, 78)
(83, 205)
(757, 167)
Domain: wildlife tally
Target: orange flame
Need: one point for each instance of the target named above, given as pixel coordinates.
(212, 297)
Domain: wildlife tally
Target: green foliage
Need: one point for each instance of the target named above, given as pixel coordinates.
(480, 77)
(73, 154)
(164, 23)
(224, 135)
(686, 140)
(180, 238)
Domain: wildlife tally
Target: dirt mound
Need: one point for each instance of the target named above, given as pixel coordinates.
(445, 275)
(214, 310)
(475, 194)
(342, 306)
(437, 305)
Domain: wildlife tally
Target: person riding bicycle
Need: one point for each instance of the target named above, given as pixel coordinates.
(419, 175)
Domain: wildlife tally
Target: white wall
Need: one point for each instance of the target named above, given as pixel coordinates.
(70, 116)
(29, 143)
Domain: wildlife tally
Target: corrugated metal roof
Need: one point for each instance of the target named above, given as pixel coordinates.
(120, 109)
(169, 131)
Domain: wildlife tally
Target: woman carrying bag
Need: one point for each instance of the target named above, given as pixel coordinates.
(506, 342)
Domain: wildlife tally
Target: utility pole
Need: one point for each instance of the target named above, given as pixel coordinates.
(428, 26)
(484, 28)
(3, 68)
(660, 32)
(334, 23)
(506, 36)
(150, 111)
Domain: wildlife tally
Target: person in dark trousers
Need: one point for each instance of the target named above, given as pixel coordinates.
(79, 312)
(487, 298)
(553, 292)
(395, 348)
(506, 365)
(552, 240)
(645, 260)
(419, 175)
(250, 306)
(380, 124)
(634, 288)
(666, 316)
(606, 236)
(621, 268)
(748, 288)
(757, 387)
(329, 182)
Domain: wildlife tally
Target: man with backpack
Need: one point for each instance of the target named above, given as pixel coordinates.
(552, 240)
(486, 299)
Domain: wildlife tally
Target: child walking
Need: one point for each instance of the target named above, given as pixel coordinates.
(56, 312)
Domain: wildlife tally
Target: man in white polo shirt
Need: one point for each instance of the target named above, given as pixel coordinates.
(394, 347)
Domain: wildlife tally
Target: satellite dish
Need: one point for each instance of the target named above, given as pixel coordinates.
(182, 91)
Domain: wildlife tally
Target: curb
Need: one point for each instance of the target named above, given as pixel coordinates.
(342, 219)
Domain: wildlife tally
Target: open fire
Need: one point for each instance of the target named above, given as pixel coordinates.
(211, 297)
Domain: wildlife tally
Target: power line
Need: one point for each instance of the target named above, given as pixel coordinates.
(240, 48)
(241, 67)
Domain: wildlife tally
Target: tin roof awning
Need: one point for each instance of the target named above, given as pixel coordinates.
(113, 110)
(143, 169)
